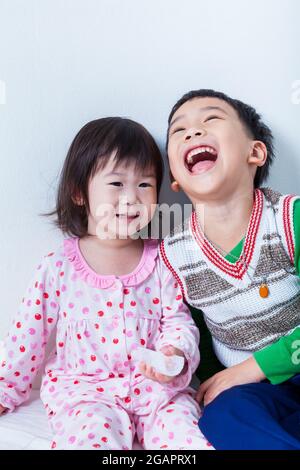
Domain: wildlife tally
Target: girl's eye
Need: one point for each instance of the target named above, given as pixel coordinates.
(116, 183)
(145, 185)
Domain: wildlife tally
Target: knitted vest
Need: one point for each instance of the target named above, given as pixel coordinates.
(240, 321)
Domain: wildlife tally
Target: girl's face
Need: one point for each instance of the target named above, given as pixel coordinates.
(122, 200)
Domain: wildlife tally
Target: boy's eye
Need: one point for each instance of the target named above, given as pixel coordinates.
(210, 118)
(116, 183)
(179, 129)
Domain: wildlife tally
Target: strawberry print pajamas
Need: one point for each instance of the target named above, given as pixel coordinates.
(94, 395)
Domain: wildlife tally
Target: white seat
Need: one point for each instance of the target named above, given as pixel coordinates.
(26, 427)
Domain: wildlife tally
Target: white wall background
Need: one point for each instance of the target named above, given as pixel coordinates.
(65, 62)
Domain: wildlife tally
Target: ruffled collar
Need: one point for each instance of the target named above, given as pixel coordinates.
(86, 273)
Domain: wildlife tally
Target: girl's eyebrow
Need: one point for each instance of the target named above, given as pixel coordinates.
(114, 173)
(207, 108)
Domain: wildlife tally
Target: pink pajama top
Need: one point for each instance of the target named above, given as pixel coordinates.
(98, 321)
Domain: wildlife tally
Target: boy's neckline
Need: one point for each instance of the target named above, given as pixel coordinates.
(237, 268)
(236, 251)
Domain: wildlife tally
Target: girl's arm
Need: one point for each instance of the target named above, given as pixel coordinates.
(24, 345)
(178, 328)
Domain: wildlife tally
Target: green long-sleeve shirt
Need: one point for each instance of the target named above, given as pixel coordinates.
(281, 360)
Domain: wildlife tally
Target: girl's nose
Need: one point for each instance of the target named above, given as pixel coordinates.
(129, 197)
(194, 133)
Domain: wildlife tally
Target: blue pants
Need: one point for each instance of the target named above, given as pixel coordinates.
(255, 416)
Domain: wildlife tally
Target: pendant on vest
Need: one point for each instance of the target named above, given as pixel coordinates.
(264, 291)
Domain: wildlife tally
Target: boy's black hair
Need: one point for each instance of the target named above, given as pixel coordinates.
(90, 150)
(252, 121)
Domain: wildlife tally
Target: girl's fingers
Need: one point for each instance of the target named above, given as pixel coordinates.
(164, 378)
(168, 350)
(147, 371)
(151, 373)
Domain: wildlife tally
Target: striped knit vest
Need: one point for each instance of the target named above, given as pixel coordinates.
(240, 321)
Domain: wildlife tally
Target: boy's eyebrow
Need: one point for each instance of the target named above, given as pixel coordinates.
(207, 108)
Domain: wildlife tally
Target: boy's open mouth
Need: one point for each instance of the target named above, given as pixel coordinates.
(200, 159)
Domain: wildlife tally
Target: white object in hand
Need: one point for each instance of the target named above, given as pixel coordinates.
(167, 365)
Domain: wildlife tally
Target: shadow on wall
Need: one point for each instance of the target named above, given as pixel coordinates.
(285, 172)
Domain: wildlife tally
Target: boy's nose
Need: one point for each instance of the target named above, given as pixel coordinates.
(194, 133)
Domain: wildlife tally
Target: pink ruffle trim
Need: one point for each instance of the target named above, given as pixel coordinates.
(86, 273)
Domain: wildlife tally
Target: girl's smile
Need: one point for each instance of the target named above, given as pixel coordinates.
(122, 200)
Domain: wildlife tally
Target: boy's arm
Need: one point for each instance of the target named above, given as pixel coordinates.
(281, 360)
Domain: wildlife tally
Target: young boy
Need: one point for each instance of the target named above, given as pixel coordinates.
(238, 260)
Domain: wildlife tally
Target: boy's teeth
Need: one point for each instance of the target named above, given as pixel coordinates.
(198, 150)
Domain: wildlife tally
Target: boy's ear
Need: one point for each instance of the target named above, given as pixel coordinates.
(259, 153)
(174, 184)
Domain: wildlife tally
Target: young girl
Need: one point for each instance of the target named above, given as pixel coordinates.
(107, 293)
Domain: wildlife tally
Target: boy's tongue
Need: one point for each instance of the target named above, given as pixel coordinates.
(200, 167)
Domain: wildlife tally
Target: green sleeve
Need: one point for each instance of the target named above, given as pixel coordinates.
(281, 360)
(297, 235)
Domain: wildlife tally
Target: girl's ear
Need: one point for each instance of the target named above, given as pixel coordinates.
(78, 199)
(258, 154)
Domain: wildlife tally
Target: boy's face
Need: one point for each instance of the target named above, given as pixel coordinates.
(209, 149)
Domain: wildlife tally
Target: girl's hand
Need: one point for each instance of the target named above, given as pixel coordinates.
(244, 373)
(151, 373)
(2, 409)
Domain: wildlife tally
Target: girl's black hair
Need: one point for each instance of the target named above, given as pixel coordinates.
(90, 150)
(252, 121)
